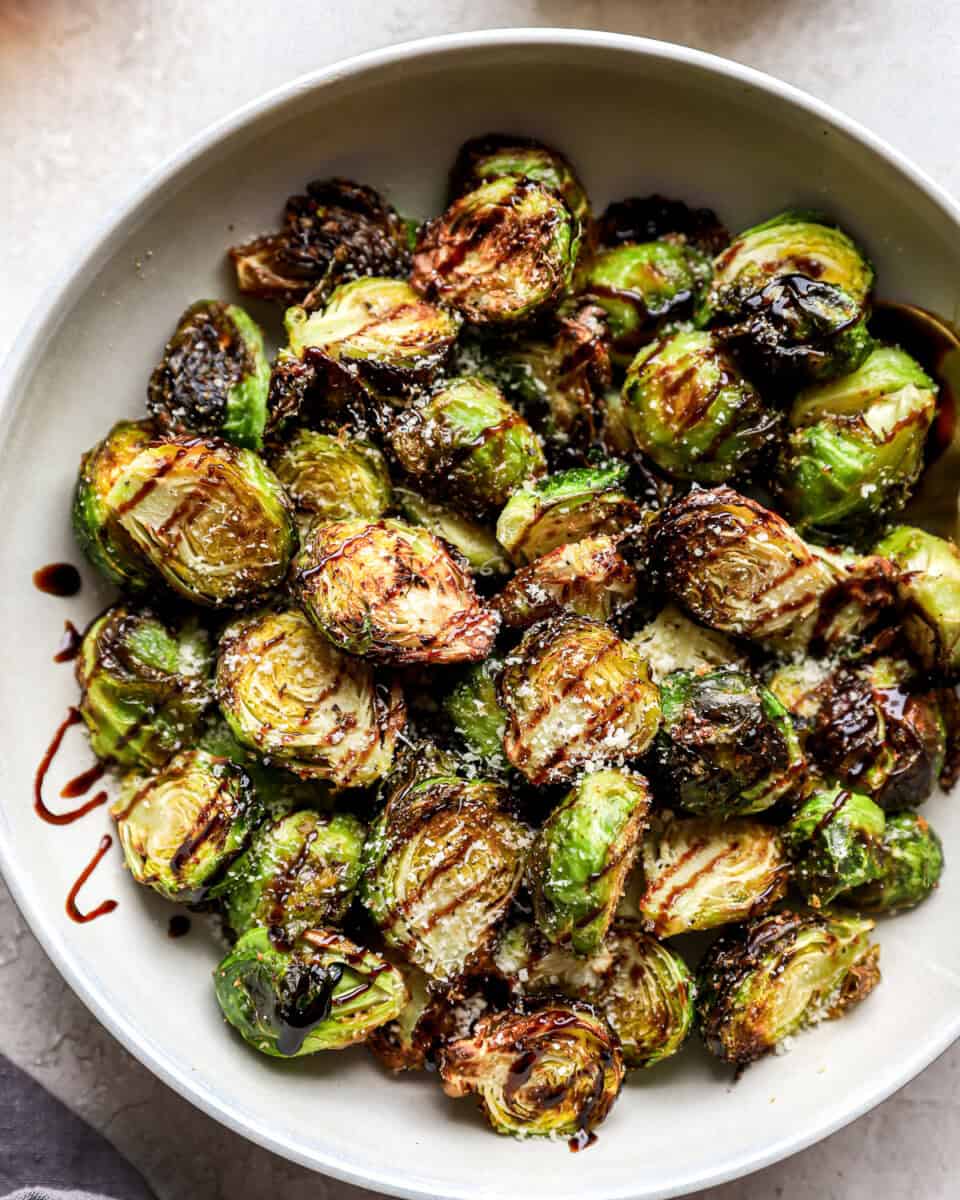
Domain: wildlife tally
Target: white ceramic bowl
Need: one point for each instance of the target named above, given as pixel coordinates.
(635, 116)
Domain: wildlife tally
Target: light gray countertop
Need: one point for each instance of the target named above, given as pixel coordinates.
(93, 94)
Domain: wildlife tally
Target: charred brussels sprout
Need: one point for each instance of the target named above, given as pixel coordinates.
(290, 695)
(474, 541)
(442, 864)
(575, 696)
(213, 377)
(145, 685)
(835, 840)
(180, 827)
(689, 409)
(929, 591)
(646, 218)
(565, 508)
(474, 709)
(911, 861)
(333, 478)
(324, 994)
(499, 254)
(553, 1069)
(766, 981)
(856, 449)
(583, 855)
(726, 745)
(466, 441)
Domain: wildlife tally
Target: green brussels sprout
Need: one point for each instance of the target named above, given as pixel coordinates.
(145, 685)
(727, 746)
(326, 993)
(690, 410)
(441, 866)
(792, 295)
(332, 478)
(583, 855)
(589, 577)
(553, 1069)
(211, 518)
(499, 254)
(672, 642)
(300, 872)
(929, 591)
(856, 449)
(181, 826)
(767, 980)
(213, 377)
(576, 696)
(565, 508)
(474, 541)
(288, 694)
(911, 862)
(475, 712)
(392, 593)
(105, 544)
(835, 839)
(706, 871)
(466, 442)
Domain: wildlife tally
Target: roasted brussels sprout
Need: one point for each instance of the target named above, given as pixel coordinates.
(792, 295)
(565, 508)
(332, 478)
(672, 642)
(340, 230)
(442, 864)
(145, 685)
(707, 871)
(583, 855)
(290, 695)
(767, 980)
(467, 442)
(589, 577)
(393, 593)
(300, 872)
(835, 839)
(499, 254)
(407, 1042)
(726, 746)
(647, 218)
(690, 410)
(474, 541)
(180, 827)
(474, 709)
(576, 696)
(324, 994)
(552, 1069)
(213, 377)
(856, 449)
(911, 861)
(929, 592)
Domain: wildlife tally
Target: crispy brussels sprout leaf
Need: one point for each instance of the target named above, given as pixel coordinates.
(474, 541)
(475, 711)
(835, 839)
(502, 155)
(332, 478)
(929, 592)
(911, 861)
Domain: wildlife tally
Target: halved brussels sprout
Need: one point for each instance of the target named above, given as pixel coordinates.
(474, 709)
(583, 855)
(835, 840)
(727, 746)
(333, 478)
(551, 1069)
(565, 508)
(576, 696)
(690, 410)
(324, 994)
(393, 593)
(856, 449)
(213, 377)
(499, 254)
(290, 695)
(211, 518)
(589, 577)
(145, 685)
(442, 864)
(707, 871)
(466, 442)
(180, 827)
(672, 642)
(300, 872)
(911, 862)
(929, 591)
(474, 541)
(767, 980)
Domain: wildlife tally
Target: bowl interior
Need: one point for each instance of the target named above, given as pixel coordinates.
(635, 118)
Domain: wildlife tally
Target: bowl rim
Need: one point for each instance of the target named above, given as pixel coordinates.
(43, 321)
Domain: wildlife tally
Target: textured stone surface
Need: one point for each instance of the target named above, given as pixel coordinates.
(93, 94)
